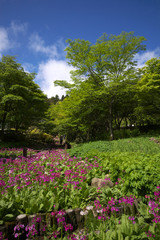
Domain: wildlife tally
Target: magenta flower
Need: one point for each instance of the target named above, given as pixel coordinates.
(16, 235)
(68, 227)
(132, 219)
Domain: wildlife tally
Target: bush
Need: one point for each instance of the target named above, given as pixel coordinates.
(47, 138)
(37, 135)
(126, 133)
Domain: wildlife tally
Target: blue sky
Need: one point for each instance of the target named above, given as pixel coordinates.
(35, 31)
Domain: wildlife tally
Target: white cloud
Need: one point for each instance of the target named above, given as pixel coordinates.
(37, 44)
(49, 72)
(28, 67)
(9, 37)
(53, 70)
(18, 28)
(4, 40)
(142, 58)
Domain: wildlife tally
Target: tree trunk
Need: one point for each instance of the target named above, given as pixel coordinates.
(3, 123)
(118, 122)
(110, 122)
(126, 122)
(16, 126)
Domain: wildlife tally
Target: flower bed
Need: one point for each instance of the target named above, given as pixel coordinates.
(12, 153)
(51, 181)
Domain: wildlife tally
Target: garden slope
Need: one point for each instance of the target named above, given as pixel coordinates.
(136, 161)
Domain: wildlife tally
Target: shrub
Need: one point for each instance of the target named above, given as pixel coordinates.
(126, 133)
(37, 135)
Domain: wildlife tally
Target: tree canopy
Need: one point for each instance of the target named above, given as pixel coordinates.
(108, 91)
(148, 92)
(22, 103)
(104, 80)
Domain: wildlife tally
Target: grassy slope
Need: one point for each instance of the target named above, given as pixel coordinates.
(135, 160)
(130, 145)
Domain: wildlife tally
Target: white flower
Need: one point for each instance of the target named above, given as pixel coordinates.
(83, 212)
(89, 207)
(99, 211)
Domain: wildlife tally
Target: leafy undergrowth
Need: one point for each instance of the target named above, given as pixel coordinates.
(141, 144)
(136, 161)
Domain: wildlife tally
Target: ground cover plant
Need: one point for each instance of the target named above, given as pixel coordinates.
(53, 182)
(142, 144)
(135, 160)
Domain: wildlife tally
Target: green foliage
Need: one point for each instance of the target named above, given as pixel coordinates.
(148, 93)
(131, 168)
(126, 230)
(128, 159)
(103, 89)
(126, 133)
(38, 135)
(129, 145)
(8, 209)
(22, 103)
(37, 201)
(65, 183)
(110, 56)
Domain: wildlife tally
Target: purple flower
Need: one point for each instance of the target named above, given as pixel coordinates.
(132, 219)
(16, 235)
(68, 227)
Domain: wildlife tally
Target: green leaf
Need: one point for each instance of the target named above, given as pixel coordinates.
(1, 222)
(11, 98)
(8, 218)
(127, 238)
(41, 206)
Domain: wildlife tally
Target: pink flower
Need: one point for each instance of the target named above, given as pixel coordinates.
(52, 214)
(146, 196)
(68, 227)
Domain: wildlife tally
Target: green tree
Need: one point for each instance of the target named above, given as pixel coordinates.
(53, 100)
(22, 103)
(80, 114)
(148, 95)
(108, 65)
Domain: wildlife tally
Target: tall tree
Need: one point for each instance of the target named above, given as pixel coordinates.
(148, 95)
(21, 101)
(108, 65)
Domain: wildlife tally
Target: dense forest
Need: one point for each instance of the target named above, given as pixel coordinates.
(108, 94)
